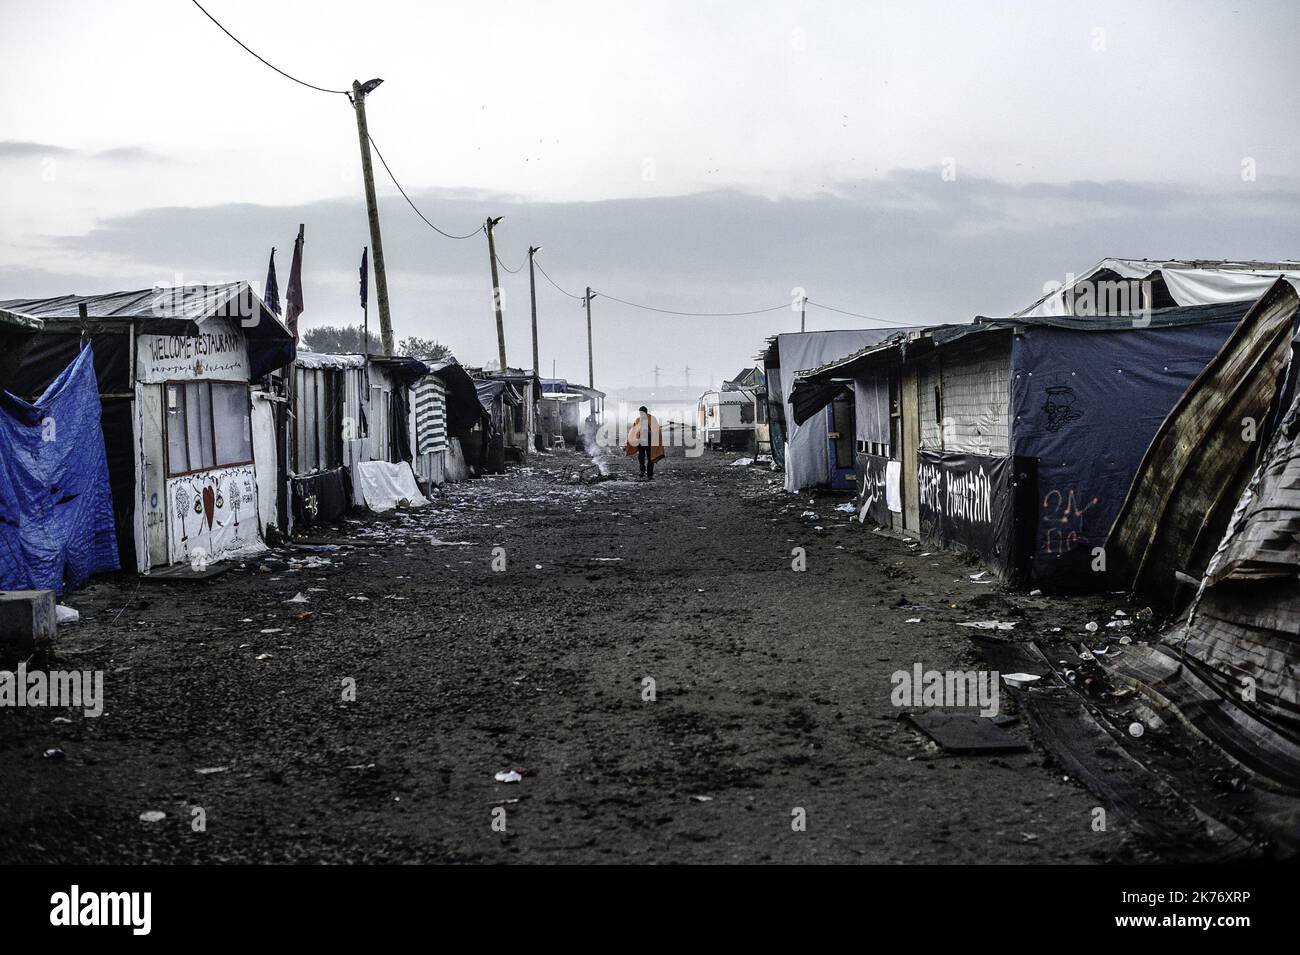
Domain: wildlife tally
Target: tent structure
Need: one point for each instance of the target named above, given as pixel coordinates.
(56, 509)
(175, 369)
(797, 446)
(1017, 438)
(1119, 286)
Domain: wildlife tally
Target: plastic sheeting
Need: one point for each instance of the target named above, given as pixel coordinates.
(1189, 283)
(382, 485)
(805, 460)
(1086, 405)
(56, 509)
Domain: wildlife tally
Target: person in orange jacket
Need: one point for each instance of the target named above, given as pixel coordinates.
(645, 439)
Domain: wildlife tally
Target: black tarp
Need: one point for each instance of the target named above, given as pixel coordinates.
(871, 488)
(321, 498)
(968, 500)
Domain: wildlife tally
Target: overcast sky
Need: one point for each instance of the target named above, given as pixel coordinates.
(919, 162)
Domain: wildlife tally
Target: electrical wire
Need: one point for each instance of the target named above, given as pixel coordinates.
(414, 207)
(870, 318)
(669, 311)
(508, 268)
(265, 61)
(554, 283)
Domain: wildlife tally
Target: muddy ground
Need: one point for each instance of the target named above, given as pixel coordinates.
(772, 693)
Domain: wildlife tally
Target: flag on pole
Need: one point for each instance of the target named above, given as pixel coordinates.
(272, 291)
(293, 294)
(365, 276)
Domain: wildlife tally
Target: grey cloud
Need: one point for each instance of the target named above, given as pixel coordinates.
(908, 247)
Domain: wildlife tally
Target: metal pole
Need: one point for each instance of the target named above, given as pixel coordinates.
(591, 367)
(372, 212)
(532, 294)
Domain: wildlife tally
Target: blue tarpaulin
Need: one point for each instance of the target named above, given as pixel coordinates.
(1086, 405)
(56, 509)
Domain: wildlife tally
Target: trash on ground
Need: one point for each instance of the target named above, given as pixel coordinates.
(989, 624)
(742, 462)
(965, 733)
(153, 815)
(64, 615)
(509, 776)
(1020, 679)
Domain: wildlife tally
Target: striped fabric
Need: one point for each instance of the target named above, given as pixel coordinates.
(430, 415)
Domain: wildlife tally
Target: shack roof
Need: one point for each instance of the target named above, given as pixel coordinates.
(178, 310)
(1187, 281)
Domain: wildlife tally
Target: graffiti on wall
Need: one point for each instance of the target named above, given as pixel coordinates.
(212, 514)
(1063, 519)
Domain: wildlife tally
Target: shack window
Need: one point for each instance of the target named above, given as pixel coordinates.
(747, 413)
(208, 426)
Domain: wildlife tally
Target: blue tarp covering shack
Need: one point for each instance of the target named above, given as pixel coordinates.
(56, 509)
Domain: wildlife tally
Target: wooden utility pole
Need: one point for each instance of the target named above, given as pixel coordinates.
(803, 304)
(591, 367)
(359, 92)
(496, 292)
(532, 295)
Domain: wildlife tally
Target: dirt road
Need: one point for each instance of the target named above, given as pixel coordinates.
(226, 704)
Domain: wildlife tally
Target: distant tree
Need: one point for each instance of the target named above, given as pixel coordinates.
(339, 340)
(425, 349)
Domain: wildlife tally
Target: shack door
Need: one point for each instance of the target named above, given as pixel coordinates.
(153, 477)
(908, 459)
(840, 431)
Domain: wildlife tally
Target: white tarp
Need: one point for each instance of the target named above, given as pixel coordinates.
(1189, 283)
(381, 485)
(265, 460)
(894, 486)
(806, 462)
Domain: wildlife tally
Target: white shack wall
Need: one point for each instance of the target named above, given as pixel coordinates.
(976, 396)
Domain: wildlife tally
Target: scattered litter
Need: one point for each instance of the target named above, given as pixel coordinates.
(64, 615)
(1119, 622)
(965, 732)
(209, 770)
(1020, 679)
(606, 558)
(60, 719)
(434, 542)
(811, 514)
(703, 798)
(847, 509)
(980, 576)
(316, 548)
(989, 624)
(361, 766)
(742, 462)
(153, 815)
(359, 597)
(273, 630)
(264, 656)
(912, 620)
(298, 598)
(509, 776)
(537, 566)
(1119, 613)
(1091, 626)
(1035, 593)
(54, 753)
(1136, 729)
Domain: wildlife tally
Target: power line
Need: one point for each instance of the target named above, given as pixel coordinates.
(870, 318)
(548, 278)
(508, 268)
(669, 311)
(384, 163)
(265, 61)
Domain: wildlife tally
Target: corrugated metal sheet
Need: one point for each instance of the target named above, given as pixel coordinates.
(1181, 497)
(430, 415)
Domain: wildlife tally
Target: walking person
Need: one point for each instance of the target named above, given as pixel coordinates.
(645, 439)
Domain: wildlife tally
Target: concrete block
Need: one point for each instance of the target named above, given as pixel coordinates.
(27, 619)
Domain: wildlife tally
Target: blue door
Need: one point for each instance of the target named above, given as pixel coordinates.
(841, 431)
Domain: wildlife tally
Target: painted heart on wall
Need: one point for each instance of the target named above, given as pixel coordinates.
(209, 503)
